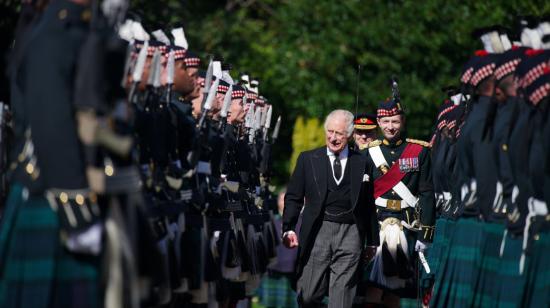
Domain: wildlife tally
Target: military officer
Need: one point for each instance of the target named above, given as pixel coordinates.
(401, 171)
(364, 131)
(38, 265)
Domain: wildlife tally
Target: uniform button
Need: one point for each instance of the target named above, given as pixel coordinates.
(79, 199)
(63, 197)
(392, 152)
(505, 147)
(393, 192)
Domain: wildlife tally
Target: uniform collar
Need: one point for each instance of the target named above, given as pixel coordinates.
(392, 144)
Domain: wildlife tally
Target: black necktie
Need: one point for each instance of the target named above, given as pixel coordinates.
(337, 167)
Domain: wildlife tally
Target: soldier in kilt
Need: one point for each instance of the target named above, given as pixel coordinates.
(276, 290)
(38, 265)
(401, 168)
(536, 242)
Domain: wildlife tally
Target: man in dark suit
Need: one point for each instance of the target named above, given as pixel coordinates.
(339, 216)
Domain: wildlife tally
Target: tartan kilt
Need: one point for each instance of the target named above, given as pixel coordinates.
(410, 290)
(537, 273)
(464, 263)
(435, 255)
(275, 291)
(488, 284)
(512, 282)
(443, 237)
(35, 269)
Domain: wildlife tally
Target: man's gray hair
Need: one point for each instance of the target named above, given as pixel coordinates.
(348, 117)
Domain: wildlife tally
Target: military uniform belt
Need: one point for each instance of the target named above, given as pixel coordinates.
(390, 204)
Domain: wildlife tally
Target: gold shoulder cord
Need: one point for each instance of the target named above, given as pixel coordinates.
(420, 142)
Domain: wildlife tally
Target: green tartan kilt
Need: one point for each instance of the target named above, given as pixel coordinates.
(463, 265)
(537, 273)
(512, 283)
(35, 269)
(488, 284)
(439, 260)
(435, 255)
(275, 291)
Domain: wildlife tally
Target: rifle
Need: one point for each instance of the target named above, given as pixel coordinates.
(225, 108)
(138, 70)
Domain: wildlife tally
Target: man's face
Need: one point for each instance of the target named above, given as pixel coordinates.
(336, 134)
(218, 102)
(145, 74)
(391, 126)
(183, 83)
(236, 112)
(362, 137)
(198, 89)
(197, 103)
(193, 72)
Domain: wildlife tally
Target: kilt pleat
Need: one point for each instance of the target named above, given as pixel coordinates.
(512, 283)
(537, 272)
(442, 273)
(465, 261)
(488, 284)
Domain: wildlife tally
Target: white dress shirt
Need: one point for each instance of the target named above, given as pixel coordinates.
(343, 160)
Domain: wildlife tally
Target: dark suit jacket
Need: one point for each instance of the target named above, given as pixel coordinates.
(308, 187)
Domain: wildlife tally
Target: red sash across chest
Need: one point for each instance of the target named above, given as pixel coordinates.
(387, 181)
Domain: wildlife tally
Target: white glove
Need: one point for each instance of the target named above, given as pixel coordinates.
(421, 246)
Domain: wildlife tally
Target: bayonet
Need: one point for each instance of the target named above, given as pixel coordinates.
(226, 102)
(276, 129)
(208, 103)
(138, 69)
(267, 124)
(170, 67)
(156, 65)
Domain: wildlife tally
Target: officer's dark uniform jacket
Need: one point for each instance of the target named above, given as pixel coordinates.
(518, 154)
(185, 130)
(501, 130)
(418, 180)
(48, 104)
(476, 159)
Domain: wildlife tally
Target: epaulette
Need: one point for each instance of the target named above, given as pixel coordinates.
(422, 143)
(374, 143)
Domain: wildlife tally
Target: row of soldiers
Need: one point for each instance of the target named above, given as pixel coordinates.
(136, 179)
(480, 197)
(491, 175)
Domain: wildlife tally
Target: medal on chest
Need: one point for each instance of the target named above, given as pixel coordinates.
(408, 164)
